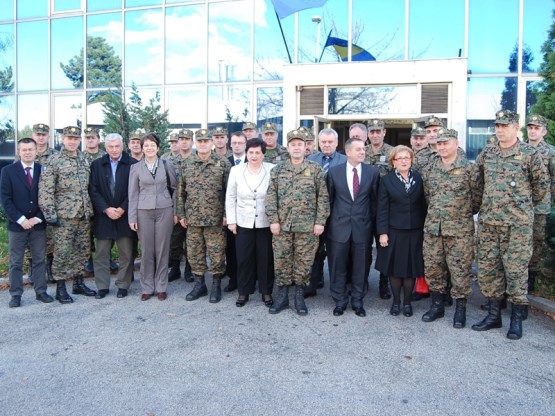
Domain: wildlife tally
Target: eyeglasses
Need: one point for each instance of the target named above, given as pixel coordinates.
(401, 158)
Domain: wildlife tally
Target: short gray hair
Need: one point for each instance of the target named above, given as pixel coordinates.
(329, 131)
(359, 126)
(112, 137)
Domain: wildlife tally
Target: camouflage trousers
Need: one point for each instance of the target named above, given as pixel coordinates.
(293, 257)
(206, 241)
(71, 247)
(540, 221)
(178, 242)
(503, 256)
(449, 254)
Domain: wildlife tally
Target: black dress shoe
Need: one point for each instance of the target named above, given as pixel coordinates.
(338, 311)
(101, 293)
(321, 284)
(230, 287)
(44, 297)
(395, 309)
(268, 300)
(15, 302)
(407, 310)
(359, 311)
(242, 301)
(122, 293)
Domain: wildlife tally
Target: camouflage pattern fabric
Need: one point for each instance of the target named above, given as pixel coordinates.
(426, 156)
(277, 155)
(206, 241)
(547, 153)
(91, 157)
(43, 157)
(294, 254)
(538, 243)
(379, 159)
(71, 247)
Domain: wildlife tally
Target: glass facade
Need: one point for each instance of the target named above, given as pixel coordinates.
(221, 61)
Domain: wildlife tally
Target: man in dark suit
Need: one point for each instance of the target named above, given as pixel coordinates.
(108, 188)
(19, 184)
(353, 188)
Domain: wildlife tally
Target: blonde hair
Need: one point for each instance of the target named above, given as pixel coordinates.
(400, 149)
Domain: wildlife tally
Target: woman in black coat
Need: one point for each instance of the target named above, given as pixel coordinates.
(399, 224)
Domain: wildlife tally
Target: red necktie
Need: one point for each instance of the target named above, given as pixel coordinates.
(29, 177)
(356, 183)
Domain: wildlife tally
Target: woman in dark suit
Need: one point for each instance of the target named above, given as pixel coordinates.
(152, 185)
(399, 224)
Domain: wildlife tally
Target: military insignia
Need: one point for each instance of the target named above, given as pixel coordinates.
(382, 158)
(518, 157)
(457, 171)
(534, 118)
(41, 126)
(307, 172)
(501, 114)
(278, 158)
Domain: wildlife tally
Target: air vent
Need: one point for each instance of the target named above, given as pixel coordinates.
(312, 101)
(435, 99)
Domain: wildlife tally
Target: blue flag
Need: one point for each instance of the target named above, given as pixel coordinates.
(341, 47)
(286, 7)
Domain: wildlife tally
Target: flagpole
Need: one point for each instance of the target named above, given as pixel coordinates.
(284, 41)
(324, 48)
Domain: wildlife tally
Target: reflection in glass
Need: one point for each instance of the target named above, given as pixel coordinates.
(185, 44)
(229, 41)
(6, 10)
(270, 52)
(379, 27)
(95, 5)
(68, 111)
(6, 58)
(32, 66)
(32, 8)
(537, 19)
(139, 3)
(492, 41)
(229, 104)
(532, 89)
(95, 109)
(67, 53)
(269, 105)
(66, 5)
(187, 108)
(7, 130)
(144, 47)
(31, 109)
(373, 100)
(104, 49)
(444, 38)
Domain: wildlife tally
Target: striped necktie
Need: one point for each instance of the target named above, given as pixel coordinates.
(326, 164)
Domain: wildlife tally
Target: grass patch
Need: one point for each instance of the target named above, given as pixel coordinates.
(3, 249)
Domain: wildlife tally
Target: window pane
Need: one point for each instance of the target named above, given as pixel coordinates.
(537, 20)
(32, 44)
(229, 41)
(373, 100)
(229, 104)
(269, 49)
(7, 132)
(95, 5)
(270, 107)
(532, 88)
(144, 47)
(32, 8)
(384, 37)
(6, 58)
(187, 108)
(66, 5)
(442, 38)
(139, 3)
(31, 109)
(185, 49)
(492, 42)
(104, 49)
(67, 52)
(68, 111)
(95, 113)
(6, 10)
(178, 1)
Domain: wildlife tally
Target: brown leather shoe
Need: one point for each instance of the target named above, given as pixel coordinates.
(162, 296)
(146, 296)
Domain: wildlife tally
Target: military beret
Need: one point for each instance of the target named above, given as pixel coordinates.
(269, 128)
(444, 135)
(376, 124)
(219, 131)
(249, 125)
(90, 131)
(136, 135)
(173, 137)
(185, 133)
(71, 131)
(41, 128)
(433, 121)
(537, 120)
(296, 134)
(203, 134)
(418, 131)
(506, 117)
(308, 133)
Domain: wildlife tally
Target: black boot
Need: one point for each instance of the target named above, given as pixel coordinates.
(485, 306)
(281, 301)
(300, 306)
(525, 313)
(515, 329)
(79, 288)
(385, 293)
(492, 319)
(61, 292)
(188, 274)
(437, 309)
(419, 296)
(532, 281)
(49, 275)
(199, 289)
(175, 272)
(447, 298)
(459, 320)
(216, 291)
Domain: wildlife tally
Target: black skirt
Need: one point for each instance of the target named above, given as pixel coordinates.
(403, 255)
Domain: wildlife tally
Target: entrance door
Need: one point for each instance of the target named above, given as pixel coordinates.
(397, 131)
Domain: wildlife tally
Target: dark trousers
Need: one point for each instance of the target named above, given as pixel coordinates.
(230, 257)
(317, 270)
(255, 260)
(348, 261)
(36, 239)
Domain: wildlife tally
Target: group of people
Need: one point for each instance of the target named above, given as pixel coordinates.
(267, 215)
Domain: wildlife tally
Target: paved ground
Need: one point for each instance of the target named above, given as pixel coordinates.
(127, 357)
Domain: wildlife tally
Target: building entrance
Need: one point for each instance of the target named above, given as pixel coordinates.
(396, 133)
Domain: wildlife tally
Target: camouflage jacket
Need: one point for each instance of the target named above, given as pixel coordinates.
(297, 197)
(41, 158)
(453, 197)
(177, 161)
(202, 187)
(277, 155)
(63, 188)
(379, 159)
(91, 157)
(513, 180)
(424, 158)
(548, 156)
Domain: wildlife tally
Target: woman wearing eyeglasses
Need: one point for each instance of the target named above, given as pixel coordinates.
(399, 224)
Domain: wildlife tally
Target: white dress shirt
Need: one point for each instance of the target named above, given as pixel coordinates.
(32, 173)
(350, 175)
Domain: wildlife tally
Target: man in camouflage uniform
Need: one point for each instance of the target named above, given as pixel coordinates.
(537, 129)
(309, 140)
(66, 205)
(134, 145)
(453, 197)
(250, 130)
(219, 136)
(297, 205)
(174, 148)
(275, 152)
(201, 204)
(423, 157)
(178, 245)
(514, 179)
(418, 141)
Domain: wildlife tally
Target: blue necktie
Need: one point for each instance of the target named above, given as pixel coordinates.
(237, 161)
(326, 164)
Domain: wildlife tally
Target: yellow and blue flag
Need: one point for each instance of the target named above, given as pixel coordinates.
(341, 46)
